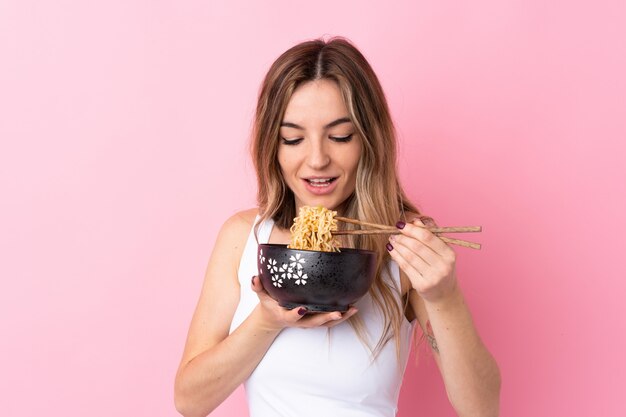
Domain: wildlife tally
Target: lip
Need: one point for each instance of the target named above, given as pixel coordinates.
(320, 190)
(320, 177)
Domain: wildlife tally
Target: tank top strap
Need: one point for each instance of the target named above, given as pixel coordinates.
(264, 229)
(248, 268)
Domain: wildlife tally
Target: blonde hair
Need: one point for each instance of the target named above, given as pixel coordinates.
(378, 196)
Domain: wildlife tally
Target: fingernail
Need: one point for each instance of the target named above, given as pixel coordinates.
(253, 277)
(400, 224)
(389, 247)
(302, 311)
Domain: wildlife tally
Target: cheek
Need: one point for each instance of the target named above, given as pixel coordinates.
(290, 159)
(284, 164)
(280, 158)
(355, 157)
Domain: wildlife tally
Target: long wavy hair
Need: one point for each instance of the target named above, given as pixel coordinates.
(378, 196)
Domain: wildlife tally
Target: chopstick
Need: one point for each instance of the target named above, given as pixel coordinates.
(361, 223)
(460, 242)
(384, 229)
(456, 229)
(446, 239)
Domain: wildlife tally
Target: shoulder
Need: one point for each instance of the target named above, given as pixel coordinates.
(234, 233)
(238, 223)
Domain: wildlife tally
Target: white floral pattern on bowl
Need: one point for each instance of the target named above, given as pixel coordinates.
(292, 271)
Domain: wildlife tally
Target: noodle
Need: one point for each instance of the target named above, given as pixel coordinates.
(312, 229)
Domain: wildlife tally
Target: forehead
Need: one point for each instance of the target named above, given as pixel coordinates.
(316, 102)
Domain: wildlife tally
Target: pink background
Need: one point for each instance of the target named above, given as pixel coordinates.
(124, 128)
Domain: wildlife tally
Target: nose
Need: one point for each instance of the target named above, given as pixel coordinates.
(318, 157)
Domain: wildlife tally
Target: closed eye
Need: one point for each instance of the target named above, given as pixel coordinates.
(342, 139)
(291, 141)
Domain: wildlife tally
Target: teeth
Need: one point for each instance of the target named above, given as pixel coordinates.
(320, 182)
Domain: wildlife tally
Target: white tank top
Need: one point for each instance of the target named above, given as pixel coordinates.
(317, 372)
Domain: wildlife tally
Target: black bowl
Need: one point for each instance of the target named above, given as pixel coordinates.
(319, 281)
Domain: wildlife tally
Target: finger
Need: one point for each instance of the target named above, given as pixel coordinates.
(413, 250)
(296, 314)
(319, 319)
(345, 316)
(416, 246)
(412, 265)
(432, 241)
(257, 287)
(445, 248)
(440, 256)
(425, 220)
(425, 236)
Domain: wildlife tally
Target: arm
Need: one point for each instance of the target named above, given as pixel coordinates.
(470, 373)
(214, 363)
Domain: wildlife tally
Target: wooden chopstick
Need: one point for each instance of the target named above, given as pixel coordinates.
(446, 239)
(459, 242)
(366, 232)
(384, 229)
(455, 229)
(360, 223)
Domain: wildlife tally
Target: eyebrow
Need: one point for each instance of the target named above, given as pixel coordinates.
(329, 125)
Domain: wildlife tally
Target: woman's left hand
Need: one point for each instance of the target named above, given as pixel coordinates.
(428, 261)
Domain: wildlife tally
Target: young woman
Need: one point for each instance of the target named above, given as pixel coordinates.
(323, 136)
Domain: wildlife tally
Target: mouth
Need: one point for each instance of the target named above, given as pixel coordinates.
(320, 182)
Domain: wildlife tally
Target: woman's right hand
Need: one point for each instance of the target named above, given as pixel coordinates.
(275, 318)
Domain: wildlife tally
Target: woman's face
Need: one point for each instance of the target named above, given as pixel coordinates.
(319, 148)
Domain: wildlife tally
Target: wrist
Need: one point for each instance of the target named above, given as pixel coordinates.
(452, 297)
(265, 324)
